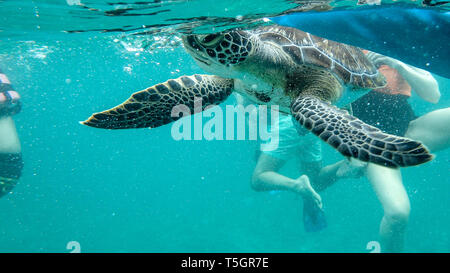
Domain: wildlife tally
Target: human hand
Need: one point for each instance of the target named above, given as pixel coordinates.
(9, 96)
(9, 103)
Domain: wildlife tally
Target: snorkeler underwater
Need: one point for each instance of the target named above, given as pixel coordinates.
(311, 126)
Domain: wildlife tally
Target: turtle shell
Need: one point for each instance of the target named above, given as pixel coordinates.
(347, 62)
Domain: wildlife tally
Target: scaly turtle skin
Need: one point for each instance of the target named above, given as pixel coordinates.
(275, 65)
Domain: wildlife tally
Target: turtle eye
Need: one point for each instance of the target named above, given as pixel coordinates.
(211, 39)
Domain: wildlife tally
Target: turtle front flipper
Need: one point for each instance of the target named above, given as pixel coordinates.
(353, 138)
(153, 106)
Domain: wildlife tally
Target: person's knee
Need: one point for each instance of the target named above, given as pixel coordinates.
(11, 166)
(398, 215)
(256, 183)
(413, 131)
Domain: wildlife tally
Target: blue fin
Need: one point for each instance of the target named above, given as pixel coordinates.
(313, 217)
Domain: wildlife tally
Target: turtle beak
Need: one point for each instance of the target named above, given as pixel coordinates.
(202, 60)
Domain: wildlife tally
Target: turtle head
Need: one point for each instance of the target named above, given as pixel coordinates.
(219, 52)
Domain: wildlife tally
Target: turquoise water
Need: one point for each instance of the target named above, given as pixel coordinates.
(142, 191)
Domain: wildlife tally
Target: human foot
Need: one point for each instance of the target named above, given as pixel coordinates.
(304, 188)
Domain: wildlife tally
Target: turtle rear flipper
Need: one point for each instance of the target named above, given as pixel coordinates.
(153, 106)
(353, 138)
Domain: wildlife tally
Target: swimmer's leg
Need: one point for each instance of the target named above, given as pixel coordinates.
(432, 129)
(266, 178)
(9, 140)
(388, 186)
(10, 156)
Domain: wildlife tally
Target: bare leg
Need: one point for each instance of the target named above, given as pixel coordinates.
(10, 156)
(9, 141)
(432, 129)
(388, 186)
(266, 178)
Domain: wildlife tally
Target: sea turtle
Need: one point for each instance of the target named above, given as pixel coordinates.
(275, 65)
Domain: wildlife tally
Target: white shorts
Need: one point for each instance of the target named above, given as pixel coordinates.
(307, 148)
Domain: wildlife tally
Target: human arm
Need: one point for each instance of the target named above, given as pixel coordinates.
(9, 99)
(421, 81)
(9, 105)
(10, 152)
